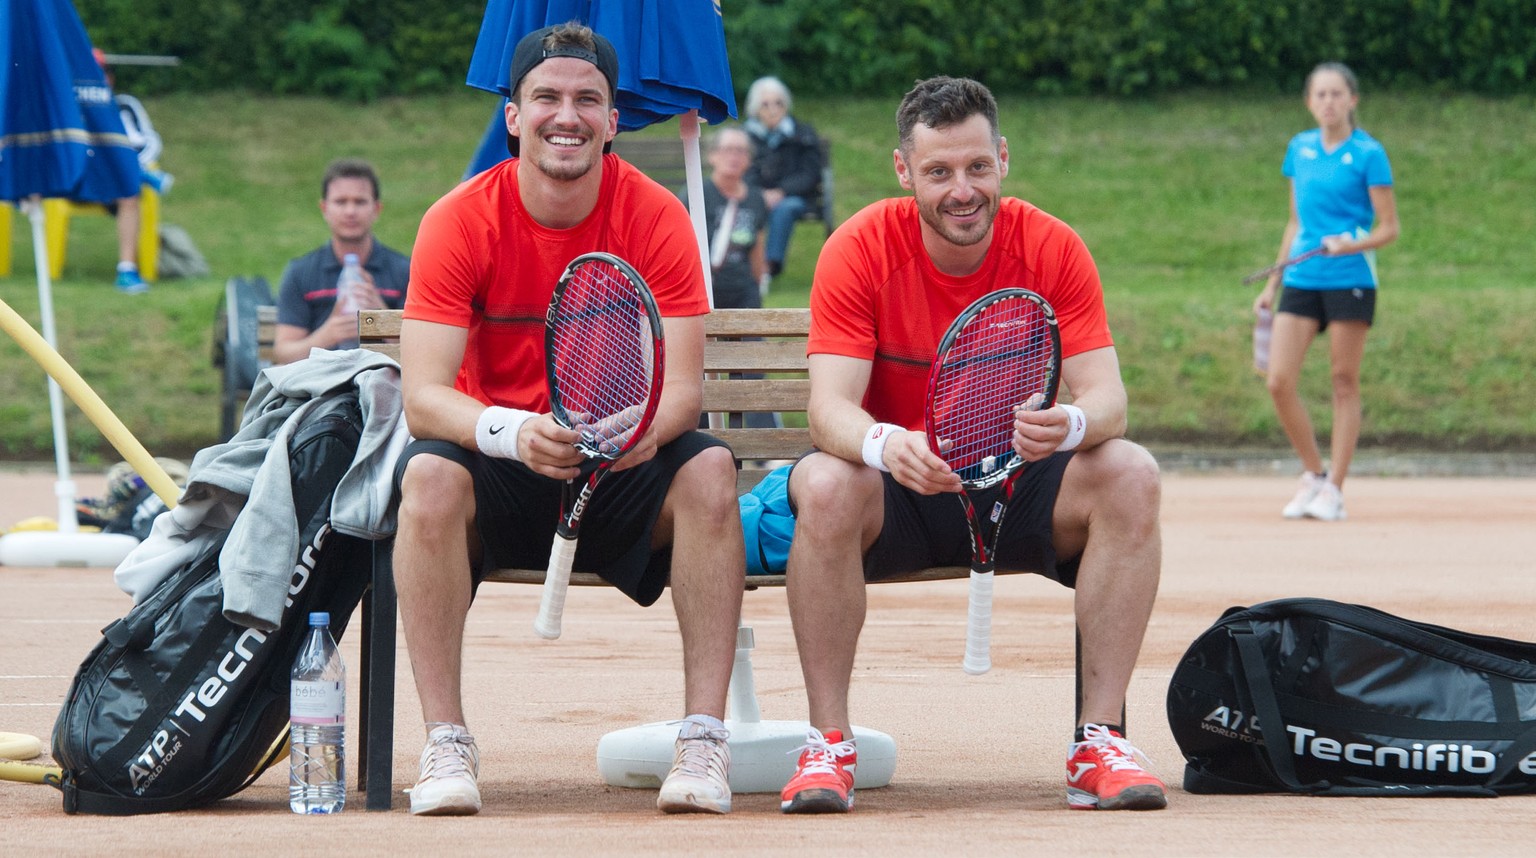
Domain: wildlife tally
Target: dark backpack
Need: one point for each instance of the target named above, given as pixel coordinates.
(1318, 697)
(178, 707)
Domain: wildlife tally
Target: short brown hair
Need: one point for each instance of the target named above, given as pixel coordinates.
(942, 101)
(349, 168)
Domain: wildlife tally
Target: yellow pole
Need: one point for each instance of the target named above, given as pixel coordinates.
(81, 393)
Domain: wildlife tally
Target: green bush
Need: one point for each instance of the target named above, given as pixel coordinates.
(331, 58)
(875, 47)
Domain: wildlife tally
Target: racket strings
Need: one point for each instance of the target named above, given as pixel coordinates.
(604, 357)
(1000, 361)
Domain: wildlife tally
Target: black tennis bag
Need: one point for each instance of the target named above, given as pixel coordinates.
(1318, 697)
(178, 707)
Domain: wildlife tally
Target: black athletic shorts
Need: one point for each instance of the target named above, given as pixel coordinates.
(516, 510)
(1356, 304)
(920, 531)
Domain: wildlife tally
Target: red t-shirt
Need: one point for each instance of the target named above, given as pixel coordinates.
(482, 263)
(877, 297)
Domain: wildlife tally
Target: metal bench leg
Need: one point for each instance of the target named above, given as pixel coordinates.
(377, 743)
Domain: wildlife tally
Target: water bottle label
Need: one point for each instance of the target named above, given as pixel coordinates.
(317, 702)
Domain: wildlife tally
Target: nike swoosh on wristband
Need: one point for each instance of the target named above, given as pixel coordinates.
(495, 430)
(1082, 769)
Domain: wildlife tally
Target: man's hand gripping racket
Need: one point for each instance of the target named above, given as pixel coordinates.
(1001, 355)
(604, 363)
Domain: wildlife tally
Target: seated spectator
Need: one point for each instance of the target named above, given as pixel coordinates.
(306, 296)
(146, 141)
(735, 215)
(786, 163)
(734, 219)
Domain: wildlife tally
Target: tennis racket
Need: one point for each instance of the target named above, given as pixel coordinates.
(1001, 354)
(604, 364)
(1264, 273)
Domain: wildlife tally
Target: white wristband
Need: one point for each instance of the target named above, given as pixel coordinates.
(496, 431)
(1077, 427)
(874, 444)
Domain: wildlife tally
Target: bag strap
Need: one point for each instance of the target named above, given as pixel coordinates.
(77, 800)
(1261, 700)
(1518, 750)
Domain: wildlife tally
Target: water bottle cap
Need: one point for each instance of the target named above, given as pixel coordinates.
(320, 618)
(350, 259)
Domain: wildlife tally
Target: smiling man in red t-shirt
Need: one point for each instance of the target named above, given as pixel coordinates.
(875, 500)
(480, 486)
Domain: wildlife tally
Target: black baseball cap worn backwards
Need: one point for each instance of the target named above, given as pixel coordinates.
(530, 51)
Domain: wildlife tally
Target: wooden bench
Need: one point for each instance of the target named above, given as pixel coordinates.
(780, 353)
(661, 158)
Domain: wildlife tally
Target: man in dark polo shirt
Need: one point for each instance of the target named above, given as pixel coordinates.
(306, 301)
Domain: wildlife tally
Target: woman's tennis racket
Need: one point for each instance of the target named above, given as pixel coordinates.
(1001, 354)
(604, 362)
(1264, 273)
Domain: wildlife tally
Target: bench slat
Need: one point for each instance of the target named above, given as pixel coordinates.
(763, 394)
(767, 356)
(591, 579)
(772, 322)
(751, 444)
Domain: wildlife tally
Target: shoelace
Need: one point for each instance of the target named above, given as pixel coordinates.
(700, 757)
(1117, 753)
(823, 755)
(451, 755)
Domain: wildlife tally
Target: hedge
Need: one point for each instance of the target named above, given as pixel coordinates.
(366, 48)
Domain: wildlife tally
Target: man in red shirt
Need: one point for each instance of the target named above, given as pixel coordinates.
(480, 485)
(874, 500)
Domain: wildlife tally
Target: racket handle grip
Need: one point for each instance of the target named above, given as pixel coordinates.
(978, 627)
(557, 580)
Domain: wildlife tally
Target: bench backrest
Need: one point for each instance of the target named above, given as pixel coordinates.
(777, 350)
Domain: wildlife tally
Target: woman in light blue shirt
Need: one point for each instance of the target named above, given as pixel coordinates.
(1341, 201)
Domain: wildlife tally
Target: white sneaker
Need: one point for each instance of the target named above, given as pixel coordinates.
(700, 778)
(449, 766)
(1327, 505)
(1311, 484)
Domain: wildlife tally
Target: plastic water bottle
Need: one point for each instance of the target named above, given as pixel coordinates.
(349, 285)
(1263, 324)
(317, 778)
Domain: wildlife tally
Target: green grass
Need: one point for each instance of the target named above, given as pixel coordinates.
(1177, 197)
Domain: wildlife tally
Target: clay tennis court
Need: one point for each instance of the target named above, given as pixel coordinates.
(980, 759)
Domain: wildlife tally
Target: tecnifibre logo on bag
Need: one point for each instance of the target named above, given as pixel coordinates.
(156, 756)
(1418, 756)
(1448, 757)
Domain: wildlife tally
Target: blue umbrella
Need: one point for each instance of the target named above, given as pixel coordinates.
(672, 62)
(672, 56)
(60, 136)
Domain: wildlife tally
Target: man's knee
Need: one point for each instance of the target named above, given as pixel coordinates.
(832, 494)
(435, 490)
(1122, 473)
(706, 484)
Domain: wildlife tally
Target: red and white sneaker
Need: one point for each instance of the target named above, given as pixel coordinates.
(823, 781)
(1102, 774)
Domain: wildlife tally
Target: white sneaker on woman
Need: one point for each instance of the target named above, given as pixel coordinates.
(1311, 484)
(1328, 504)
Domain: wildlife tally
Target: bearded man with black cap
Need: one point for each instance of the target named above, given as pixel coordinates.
(479, 486)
